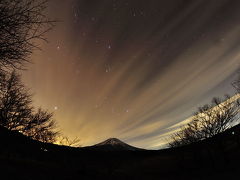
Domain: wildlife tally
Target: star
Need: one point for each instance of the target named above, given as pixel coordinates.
(107, 68)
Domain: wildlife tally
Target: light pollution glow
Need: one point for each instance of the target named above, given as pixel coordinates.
(134, 69)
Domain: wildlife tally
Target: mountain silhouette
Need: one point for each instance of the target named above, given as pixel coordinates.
(113, 144)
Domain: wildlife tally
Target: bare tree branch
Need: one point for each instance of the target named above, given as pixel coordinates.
(17, 112)
(208, 121)
(22, 24)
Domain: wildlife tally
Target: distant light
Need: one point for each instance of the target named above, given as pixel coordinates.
(55, 108)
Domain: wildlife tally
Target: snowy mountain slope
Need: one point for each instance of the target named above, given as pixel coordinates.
(113, 144)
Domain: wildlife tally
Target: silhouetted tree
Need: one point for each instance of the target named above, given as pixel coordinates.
(41, 127)
(236, 83)
(208, 121)
(66, 141)
(15, 103)
(17, 112)
(22, 22)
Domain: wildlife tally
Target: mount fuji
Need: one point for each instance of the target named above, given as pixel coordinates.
(113, 144)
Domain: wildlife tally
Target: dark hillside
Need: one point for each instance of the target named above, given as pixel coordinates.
(23, 158)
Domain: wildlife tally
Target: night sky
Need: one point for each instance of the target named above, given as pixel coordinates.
(134, 69)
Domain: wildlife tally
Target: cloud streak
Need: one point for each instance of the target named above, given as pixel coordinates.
(133, 69)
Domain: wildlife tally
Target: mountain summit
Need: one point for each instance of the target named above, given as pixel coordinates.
(113, 144)
(111, 141)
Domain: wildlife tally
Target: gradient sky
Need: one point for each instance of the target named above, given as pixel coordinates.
(132, 69)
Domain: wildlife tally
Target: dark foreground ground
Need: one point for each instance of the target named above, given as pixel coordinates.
(216, 158)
